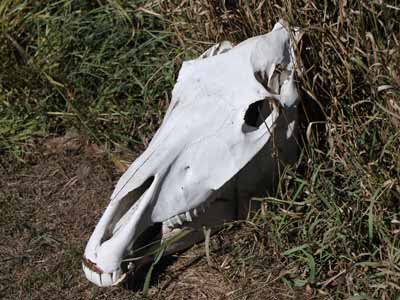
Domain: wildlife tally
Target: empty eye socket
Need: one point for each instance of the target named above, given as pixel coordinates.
(256, 114)
(252, 115)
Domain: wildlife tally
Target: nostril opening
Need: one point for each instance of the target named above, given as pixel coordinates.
(124, 205)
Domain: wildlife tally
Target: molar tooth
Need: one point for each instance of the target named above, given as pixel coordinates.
(183, 217)
(178, 220)
(169, 222)
(195, 212)
(188, 216)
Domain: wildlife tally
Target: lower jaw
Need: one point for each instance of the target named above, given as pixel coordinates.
(174, 240)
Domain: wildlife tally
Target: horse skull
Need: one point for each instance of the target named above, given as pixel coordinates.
(230, 123)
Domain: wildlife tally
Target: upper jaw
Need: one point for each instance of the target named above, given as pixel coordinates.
(115, 240)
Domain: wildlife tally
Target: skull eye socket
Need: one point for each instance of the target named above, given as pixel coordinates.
(256, 114)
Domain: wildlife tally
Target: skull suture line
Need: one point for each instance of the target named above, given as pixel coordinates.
(230, 126)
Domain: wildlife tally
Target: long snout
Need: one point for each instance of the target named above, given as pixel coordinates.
(121, 224)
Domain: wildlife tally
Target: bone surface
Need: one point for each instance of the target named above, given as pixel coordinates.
(230, 127)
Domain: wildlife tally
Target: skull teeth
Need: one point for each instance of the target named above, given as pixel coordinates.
(180, 219)
(104, 279)
(169, 223)
(195, 212)
(188, 217)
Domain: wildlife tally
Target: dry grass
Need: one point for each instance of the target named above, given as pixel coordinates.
(107, 68)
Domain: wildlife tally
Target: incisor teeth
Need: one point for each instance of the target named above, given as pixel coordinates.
(106, 279)
(115, 275)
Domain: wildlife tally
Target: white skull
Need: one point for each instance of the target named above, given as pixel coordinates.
(231, 122)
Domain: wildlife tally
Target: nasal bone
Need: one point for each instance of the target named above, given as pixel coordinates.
(121, 224)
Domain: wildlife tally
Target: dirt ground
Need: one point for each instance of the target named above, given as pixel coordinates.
(49, 205)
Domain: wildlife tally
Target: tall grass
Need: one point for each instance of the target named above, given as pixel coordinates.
(107, 68)
(101, 67)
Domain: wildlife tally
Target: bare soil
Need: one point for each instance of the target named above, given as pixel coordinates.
(49, 205)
